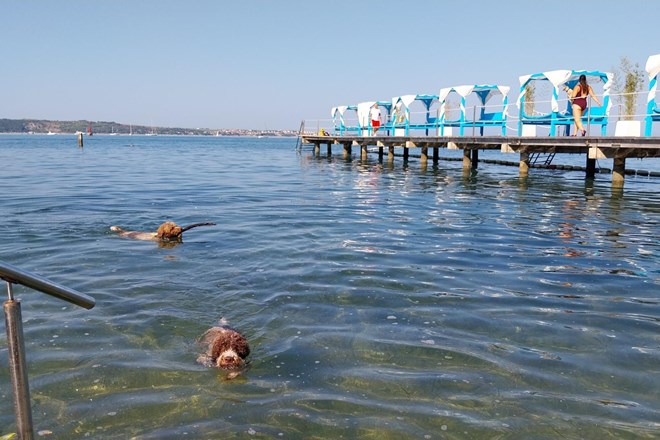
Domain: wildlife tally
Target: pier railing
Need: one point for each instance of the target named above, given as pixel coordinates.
(349, 122)
(14, 326)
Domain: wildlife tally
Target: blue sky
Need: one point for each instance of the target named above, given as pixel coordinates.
(268, 64)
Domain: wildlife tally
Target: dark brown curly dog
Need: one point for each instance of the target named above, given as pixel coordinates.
(225, 348)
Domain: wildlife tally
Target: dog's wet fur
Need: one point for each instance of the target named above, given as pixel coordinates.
(167, 232)
(225, 348)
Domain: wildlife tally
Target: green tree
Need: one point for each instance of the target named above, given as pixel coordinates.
(628, 82)
(530, 90)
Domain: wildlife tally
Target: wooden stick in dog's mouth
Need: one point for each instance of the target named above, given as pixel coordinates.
(194, 225)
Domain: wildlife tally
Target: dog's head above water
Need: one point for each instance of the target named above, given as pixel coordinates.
(225, 348)
(169, 231)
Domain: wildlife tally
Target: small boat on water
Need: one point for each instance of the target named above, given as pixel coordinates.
(89, 130)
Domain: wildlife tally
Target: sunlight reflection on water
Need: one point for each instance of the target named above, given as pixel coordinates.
(380, 301)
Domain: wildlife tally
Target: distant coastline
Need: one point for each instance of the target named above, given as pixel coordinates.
(41, 126)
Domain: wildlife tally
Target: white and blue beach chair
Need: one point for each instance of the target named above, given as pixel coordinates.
(355, 119)
(404, 119)
(652, 106)
(481, 119)
(339, 121)
(594, 115)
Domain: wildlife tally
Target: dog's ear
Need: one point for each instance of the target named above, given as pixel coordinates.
(161, 230)
(241, 346)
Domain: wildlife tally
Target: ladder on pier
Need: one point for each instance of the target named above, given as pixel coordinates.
(541, 158)
(301, 131)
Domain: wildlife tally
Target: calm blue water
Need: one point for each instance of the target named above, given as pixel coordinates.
(381, 301)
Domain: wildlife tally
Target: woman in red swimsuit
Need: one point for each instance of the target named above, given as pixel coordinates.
(578, 98)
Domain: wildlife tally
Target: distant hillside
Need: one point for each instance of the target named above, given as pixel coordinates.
(102, 127)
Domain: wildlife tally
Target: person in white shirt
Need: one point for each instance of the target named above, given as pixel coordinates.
(375, 118)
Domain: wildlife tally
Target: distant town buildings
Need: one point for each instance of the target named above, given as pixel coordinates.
(100, 127)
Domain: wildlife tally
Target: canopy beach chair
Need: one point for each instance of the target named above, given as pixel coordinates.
(404, 119)
(364, 116)
(481, 119)
(652, 106)
(339, 119)
(558, 78)
(350, 119)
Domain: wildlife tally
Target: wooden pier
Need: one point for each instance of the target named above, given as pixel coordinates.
(616, 148)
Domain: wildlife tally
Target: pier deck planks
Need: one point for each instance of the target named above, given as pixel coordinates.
(609, 147)
(601, 147)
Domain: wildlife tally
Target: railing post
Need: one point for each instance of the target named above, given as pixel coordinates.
(15, 344)
(589, 117)
(17, 366)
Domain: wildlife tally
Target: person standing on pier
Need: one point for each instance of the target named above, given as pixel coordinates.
(375, 117)
(578, 97)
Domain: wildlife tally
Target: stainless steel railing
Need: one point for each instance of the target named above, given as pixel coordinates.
(14, 325)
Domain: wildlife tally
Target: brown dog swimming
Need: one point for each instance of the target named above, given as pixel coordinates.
(225, 348)
(168, 231)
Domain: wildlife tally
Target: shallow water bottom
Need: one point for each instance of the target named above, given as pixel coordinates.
(380, 302)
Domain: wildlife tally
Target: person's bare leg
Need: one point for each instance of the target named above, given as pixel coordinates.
(577, 117)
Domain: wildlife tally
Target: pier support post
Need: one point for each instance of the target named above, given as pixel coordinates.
(524, 164)
(317, 149)
(475, 159)
(618, 172)
(425, 156)
(436, 155)
(364, 152)
(591, 168)
(390, 154)
(467, 160)
(380, 153)
(406, 154)
(347, 150)
(329, 149)
(80, 140)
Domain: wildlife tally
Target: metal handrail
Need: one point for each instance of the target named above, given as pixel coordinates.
(14, 325)
(15, 275)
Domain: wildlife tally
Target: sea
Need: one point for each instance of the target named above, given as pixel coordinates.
(381, 299)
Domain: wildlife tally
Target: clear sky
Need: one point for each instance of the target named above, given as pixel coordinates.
(269, 64)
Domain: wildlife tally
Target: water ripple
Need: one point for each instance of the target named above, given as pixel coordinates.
(380, 300)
